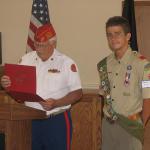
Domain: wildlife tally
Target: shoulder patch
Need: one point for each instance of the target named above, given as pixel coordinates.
(139, 56)
(73, 68)
(147, 71)
(147, 66)
(142, 57)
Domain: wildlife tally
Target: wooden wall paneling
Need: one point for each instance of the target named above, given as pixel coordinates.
(142, 14)
(86, 117)
(147, 137)
(15, 122)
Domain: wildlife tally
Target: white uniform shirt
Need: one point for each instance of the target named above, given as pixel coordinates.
(55, 77)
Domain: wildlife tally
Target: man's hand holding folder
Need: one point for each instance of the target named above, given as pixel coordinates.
(22, 82)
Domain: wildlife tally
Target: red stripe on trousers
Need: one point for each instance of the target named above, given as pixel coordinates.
(68, 130)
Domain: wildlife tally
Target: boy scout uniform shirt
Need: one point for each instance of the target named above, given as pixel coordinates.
(127, 77)
(55, 77)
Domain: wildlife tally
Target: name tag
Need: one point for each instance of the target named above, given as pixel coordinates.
(146, 84)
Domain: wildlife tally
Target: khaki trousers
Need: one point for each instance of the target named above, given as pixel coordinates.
(115, 137)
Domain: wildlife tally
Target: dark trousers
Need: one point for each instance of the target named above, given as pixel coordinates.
(53, 133)
(2, 141)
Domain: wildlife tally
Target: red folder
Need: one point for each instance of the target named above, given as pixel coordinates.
(23, 82)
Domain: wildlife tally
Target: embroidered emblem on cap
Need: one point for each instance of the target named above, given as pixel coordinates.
(44, 33)
(73, 68)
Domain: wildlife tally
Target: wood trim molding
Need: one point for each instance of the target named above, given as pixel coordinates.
(139, 3)
(142, 3)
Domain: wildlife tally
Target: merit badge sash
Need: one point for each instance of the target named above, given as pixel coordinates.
(105, 85)
(133, 127)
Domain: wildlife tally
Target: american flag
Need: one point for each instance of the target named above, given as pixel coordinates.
(39, 16)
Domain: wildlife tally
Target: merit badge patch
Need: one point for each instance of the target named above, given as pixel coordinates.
(73, 68)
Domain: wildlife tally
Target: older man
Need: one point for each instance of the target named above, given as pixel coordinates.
(59, 84)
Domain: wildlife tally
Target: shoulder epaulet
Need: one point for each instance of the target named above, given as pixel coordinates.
(101, 63)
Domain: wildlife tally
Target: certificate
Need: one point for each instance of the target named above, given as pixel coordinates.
(23, 82)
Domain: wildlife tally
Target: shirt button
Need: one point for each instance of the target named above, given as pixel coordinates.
(116, 74)
(114, 86)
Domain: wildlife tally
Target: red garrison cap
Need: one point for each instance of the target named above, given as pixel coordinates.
(44, 33)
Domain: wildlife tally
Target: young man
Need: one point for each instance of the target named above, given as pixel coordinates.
(125, 87)
(59, 84)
